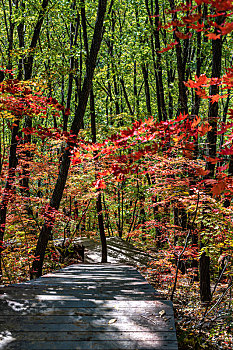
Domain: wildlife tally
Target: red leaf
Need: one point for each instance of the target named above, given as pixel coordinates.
(212, 160)
(219, 188)
(181, 117)
(202, 80)
(222, 5)
(169, 47)
(192, 18)
(223, 168)
(228, 28)
(199, 27)
(181, 35)
(100, 184)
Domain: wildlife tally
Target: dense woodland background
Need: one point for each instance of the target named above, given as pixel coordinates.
(116, 119)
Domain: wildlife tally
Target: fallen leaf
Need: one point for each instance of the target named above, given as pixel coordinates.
(162, 313)
(113, 320)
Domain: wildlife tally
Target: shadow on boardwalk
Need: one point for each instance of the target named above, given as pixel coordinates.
(86, 307)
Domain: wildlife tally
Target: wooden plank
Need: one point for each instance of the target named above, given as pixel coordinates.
(95, 305)
(84, 285)
(131, 321)
(63, 310)
(88, 303)
(95, 345)
(101, 335)
(79, 325)
(80, 297)
(86, 307)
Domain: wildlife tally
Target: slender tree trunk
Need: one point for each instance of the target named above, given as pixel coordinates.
(10, 38)
(135, 90)
(199, 60)
(155, 44)
(181, 60)
(204, 266)
(213, 107)
(147, 88)
(73, 42)
(28, 61)
(126, 96)
(8, 186)
(98, 201)
(20, 30)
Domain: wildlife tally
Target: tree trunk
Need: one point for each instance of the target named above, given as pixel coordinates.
(181, 59)
(155, 45)
(147, 88)
(212, 150)
(98, 201)
(73, 43)
(8, 186)
(28, 61)
(204, 266)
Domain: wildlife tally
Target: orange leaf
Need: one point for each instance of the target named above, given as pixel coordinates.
(100, 184)
(215, 98)
(213, 36)
(196, 121)
(201, 92)
(204, 128)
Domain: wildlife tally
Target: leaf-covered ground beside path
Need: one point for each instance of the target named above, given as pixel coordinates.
(216, 330)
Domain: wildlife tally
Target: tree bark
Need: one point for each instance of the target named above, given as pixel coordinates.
(28, 61)
(147, 88)
(162, 112)
(8, 186)
(73, 42)
(213, 107)
(212, 150)
(98, 201)
(181, 66)
(204, 266)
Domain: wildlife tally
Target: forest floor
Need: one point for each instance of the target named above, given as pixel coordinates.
(216, 330)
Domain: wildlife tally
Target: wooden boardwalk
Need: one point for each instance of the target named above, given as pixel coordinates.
(86, 307)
